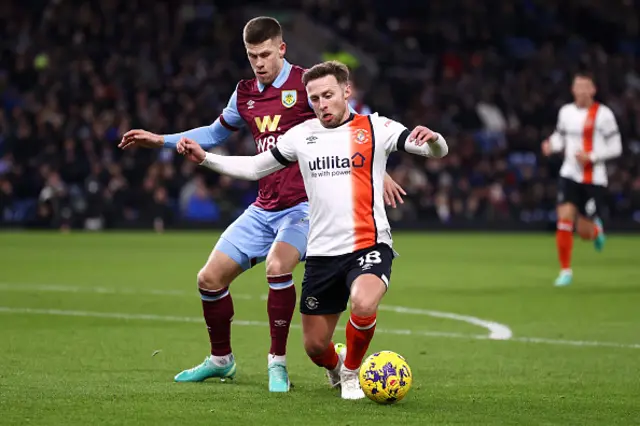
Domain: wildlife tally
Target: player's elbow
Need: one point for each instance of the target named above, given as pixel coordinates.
(439, 149)
(444, 150)
(617, 149)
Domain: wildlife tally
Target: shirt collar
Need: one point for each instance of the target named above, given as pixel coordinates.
(280, 79)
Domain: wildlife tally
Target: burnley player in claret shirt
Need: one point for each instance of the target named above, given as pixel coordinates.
(275, 227)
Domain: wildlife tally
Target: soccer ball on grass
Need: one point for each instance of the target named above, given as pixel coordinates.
(385, 377)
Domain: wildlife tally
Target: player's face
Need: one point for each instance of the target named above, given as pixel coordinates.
(329, 100)
(266, 59)
(583, 90)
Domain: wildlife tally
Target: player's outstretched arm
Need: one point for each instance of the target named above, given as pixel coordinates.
(240, 167)
(205, 136)
(208, 136)
(425, 142)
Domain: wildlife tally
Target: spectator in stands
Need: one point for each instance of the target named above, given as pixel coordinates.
(492, 77)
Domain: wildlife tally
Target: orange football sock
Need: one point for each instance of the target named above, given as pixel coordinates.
(359, 334)
(564, 242)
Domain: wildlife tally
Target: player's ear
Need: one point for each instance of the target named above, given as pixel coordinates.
(347, 91)
(282, 49)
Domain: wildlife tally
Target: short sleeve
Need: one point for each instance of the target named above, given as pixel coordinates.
(230, 117)
(389, 132)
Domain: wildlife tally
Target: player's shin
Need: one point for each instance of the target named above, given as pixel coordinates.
(588, 230)
(564, 242)
(326, 358)
(281, 304)
(217, 307)
(360, 330)
(366, 292)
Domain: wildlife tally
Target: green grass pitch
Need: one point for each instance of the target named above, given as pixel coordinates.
(82, 315)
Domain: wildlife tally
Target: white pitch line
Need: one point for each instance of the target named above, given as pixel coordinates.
(576, 342)
(401, 332)
(169, 318)
(55, 288)
(496, 330)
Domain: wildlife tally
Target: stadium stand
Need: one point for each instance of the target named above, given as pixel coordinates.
(75, 75)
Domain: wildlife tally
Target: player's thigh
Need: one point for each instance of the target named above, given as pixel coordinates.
(317, 332)
(569, 198)
(248, 239)
(219, 271)
(368, 278)
(323, 287)
(292, 227)
(594, 200)
(282, 258)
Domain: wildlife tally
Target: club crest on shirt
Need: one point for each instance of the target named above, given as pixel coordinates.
(361, 136)
(289, 98)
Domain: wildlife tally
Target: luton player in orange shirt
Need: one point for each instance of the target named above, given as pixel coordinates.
(342, 157)
(587, 133)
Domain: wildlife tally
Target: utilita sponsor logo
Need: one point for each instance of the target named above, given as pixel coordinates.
(335, 165)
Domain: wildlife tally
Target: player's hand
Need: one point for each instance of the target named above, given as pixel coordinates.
(546, 148)
(583, 158)
(141, 138)
(190, 149)
(421, 135)
(392, 192)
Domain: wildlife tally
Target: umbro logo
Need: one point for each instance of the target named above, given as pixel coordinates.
(250, 104)
(311, 139)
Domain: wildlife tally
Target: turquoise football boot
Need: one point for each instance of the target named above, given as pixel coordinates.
(598, 243)
(564, 279)
(278, 378)
(207, 370)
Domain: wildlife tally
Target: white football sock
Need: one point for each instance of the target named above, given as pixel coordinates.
(221, 361)
(280, 359)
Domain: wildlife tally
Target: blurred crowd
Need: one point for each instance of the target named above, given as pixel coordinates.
(491, 76)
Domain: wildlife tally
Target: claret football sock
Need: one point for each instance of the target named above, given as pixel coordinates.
(281, 304)
(217, 307)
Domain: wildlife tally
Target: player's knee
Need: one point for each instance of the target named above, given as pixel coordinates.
(363, 305)
(566, 212)
(315, 347)
(276, 266)
(209, 280)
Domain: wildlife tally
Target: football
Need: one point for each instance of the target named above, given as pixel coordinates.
(385, 377)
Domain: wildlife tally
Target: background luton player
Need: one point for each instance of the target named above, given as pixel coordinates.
(275, 226)
(342, 157)
(588, 134)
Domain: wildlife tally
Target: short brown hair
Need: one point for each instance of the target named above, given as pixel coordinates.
(334, 68)
(585, 74)
(261, 29)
